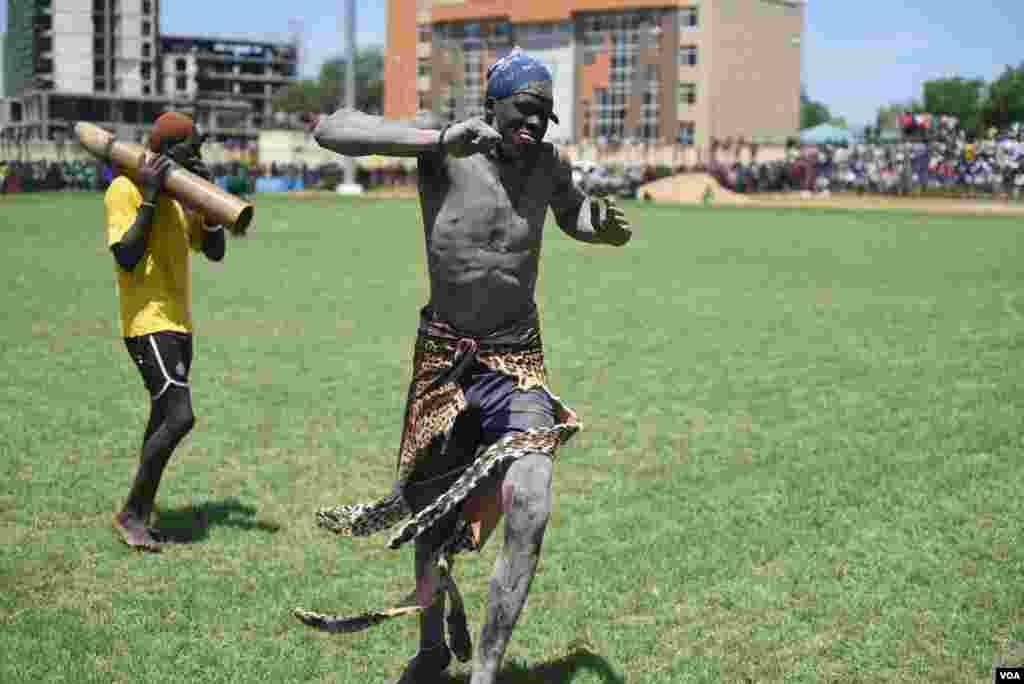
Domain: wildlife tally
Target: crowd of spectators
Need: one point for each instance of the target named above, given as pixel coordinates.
(40, 175)
(932, 155)
(237, 177)
(939, 159)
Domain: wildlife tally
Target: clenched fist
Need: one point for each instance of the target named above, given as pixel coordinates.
(469, 137)
(152, 174)
(609, 221)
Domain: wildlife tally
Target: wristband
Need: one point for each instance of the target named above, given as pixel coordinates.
(440, 139)
(215, 229)
(151, 205)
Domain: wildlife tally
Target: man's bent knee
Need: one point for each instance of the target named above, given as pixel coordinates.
(179, 417)
(526, 494)
(528, 479)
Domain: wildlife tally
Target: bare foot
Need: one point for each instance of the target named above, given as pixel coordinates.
(134, 533)
(426, 666)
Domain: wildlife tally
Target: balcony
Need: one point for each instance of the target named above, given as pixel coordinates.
(209, 55)
(246, 78)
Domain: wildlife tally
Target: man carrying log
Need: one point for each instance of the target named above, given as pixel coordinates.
(150, 234)
(481, 425)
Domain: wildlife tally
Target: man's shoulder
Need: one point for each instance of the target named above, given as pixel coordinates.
(555, 156)
(122, 186)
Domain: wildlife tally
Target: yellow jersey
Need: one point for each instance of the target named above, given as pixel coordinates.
(157, 295)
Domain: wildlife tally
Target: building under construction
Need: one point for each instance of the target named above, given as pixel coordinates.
(106, 62)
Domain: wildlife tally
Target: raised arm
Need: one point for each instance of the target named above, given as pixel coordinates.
(355, 134)
(129, 235)
(590, 219)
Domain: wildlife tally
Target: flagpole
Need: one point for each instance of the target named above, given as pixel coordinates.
(349, 185)
(350, 79)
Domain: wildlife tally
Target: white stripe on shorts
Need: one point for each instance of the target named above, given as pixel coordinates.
(168, 380)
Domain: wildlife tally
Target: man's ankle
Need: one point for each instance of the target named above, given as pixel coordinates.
(129, 517)
(431, 646)
(426, 665)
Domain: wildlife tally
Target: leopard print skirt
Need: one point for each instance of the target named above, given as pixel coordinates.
(435, 400)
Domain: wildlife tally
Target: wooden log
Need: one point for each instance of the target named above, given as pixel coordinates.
(219, 207)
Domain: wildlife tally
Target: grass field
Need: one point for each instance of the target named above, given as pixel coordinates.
(801, 459)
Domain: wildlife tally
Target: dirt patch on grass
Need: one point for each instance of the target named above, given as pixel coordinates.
(692, 188)
(930, 205)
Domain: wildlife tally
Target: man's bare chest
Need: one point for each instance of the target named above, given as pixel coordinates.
(482, 195)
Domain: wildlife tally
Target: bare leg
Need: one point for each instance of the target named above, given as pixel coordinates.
(526, 496)
(427, 589)
(175, 408)
(433, 656)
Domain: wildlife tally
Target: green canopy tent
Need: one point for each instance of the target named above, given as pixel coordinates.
(826, 134)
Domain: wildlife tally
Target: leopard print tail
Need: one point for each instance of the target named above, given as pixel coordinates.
(508, 449)
(339, 624)
(363, 520)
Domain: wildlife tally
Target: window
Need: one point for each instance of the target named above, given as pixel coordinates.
(688, 18)
(424, 33)
(144, 70)
(147, 7)
(181, 83)
(146, 90)
(146, 28)
(423, 66)
(686, 133)
(688, 55)
(687, 93)
(146, 50)
(179, 64)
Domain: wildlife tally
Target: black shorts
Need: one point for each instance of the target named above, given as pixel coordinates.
(163, 358)
(495, 407)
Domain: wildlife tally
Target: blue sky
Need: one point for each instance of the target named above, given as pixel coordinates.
(858, 54)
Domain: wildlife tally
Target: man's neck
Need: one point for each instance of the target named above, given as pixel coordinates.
(501, 156)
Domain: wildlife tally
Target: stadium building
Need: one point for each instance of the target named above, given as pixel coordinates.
(105, 61)
(645, 71)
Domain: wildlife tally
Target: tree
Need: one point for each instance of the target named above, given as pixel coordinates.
(812, 113)
(299, 97)
(325, 94)
(959, 97)
(369, 81)
(1005, 102)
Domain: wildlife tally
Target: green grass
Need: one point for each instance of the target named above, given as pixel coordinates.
(801, 460)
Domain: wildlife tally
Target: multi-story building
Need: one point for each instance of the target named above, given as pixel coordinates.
(665, 71)
(228, 82)
(104, 61)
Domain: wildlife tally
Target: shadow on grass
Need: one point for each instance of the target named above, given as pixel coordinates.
(560, 671)
(192, 523)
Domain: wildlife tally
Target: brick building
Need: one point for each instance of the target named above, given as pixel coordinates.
(655, 71)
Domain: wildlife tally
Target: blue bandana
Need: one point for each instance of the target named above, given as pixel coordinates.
(519, 73)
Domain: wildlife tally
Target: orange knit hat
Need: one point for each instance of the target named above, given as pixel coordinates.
(170, 126)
